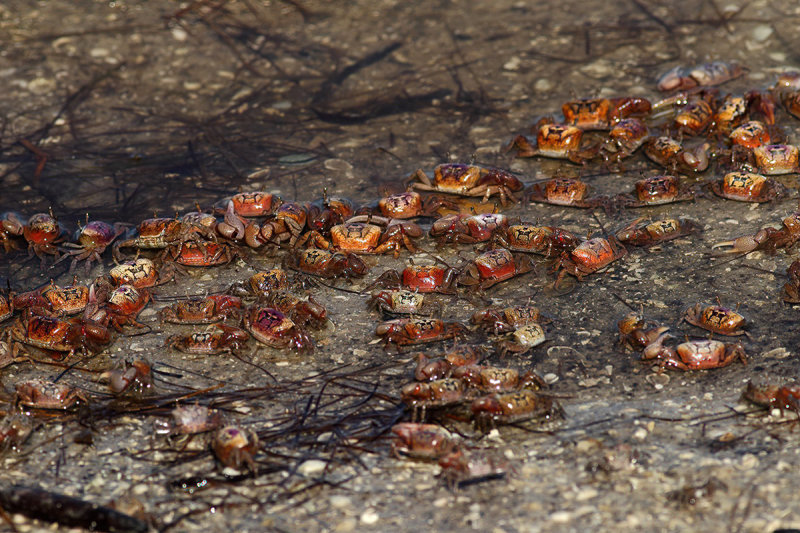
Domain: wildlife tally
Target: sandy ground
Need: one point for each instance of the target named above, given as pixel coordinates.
(145, 107)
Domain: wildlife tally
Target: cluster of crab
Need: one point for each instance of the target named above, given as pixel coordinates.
(327, 238)
(459, 384)
(655, 343)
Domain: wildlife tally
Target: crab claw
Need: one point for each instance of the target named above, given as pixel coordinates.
(656, 349)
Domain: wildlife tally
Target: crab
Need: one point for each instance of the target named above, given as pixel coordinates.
(768, 238)
(61, 338)
(420, 278)
(493, 379)
(326, 264)
(785, 397)
(11, 227)
(468, 229)
(735, 110)
(141, 273)
(643, 232)
(408, 204)
(406, 331)
(273, 328)
(42, 233)
(92, 240)
(6, 307)
(747, 187)
(421, 396)
(557, 141)
(522, 339)
(190, 420)
(235, 446)
(363, 235)
(250, 204)
(402, 302)
(716, 319)
(308, 312)
(14, 431)
(791, 290)
(567, 192)
(624, 139)
(589, 257)
(164, 234)
(261, 284)
(42, 394)
(284, 226)
(656, 190)
(637, 333)
(121, 307)
(214, 308)
(749, 135)
(672, 155)
(511, 407)
(545, 240)
(432, 369)
(7, 355)
(492, 267)
(694, 354)
(705, 75)
(218, 339)
(777, 159)
(202, 254)
(327, 212)
(507, 319)
(134, 375)
(422, 441)
(466, 467)
(52, 300)
(603, 113)
(468, 180)
(696, 115)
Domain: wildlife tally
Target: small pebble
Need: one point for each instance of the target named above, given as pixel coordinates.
(312, 467)
(369, 517)
(762, 32)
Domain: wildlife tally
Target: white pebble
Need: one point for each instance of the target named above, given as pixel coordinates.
(369, 517)
(311, 467)
(761, 33)
(512, 64)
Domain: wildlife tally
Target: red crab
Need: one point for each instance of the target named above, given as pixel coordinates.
(558, 141)
(589, 257)
(545, 240)
(603, 113)
(694, 354)
(92, 240)
(273, 328)
(747, 187)
(214, 308)
(61, 338)
(468, 229)
(326, 264)
(235, 447)
(468, 180)
(642, 232)
(420, 278)
(406, 331)
(566, 191)
(492, 267)
(42, 233)
(216, 340)
(42, 394)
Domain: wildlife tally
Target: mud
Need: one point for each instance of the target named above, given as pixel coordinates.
(156, 106)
